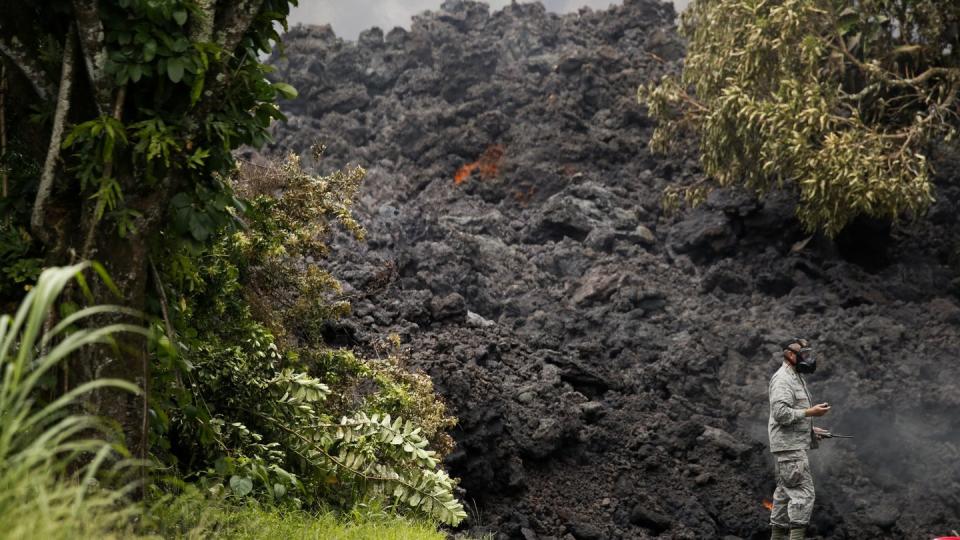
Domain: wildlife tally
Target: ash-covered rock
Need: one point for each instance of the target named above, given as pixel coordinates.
(608, 363)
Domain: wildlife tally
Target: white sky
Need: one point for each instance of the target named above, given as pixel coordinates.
(349, 17)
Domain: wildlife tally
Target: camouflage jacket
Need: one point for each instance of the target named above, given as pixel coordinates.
(788, 428)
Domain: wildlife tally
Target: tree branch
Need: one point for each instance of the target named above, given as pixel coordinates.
(234, 21)
(890, 77)
(932, 72)
(90, 32)
(26, 62)
(53, 152)
(201, 26)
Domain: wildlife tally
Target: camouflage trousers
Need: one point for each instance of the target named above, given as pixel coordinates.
(793, 498)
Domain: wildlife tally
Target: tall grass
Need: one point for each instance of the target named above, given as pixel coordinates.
(49, 455)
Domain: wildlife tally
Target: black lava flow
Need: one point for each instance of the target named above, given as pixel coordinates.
(608, 362)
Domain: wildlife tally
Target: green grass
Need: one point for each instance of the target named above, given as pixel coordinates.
(187, 517)
(49, 456)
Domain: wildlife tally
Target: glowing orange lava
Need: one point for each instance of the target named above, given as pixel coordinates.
(489, 165)
(463, 173)
(767, 504)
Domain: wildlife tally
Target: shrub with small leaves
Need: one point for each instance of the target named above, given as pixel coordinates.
(843, 101)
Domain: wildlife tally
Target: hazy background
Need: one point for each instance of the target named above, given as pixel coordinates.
(349, 17)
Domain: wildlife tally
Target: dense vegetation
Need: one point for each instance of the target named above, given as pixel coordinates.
(261, 404)
(119, 123)
(843, 101)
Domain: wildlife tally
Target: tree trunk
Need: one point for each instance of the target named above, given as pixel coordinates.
(127, 263)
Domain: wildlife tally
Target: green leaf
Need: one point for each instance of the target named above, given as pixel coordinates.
(123, 75)
(847, 20)
(181, 200)
(285, 90)
(201, 226)
(854, 41)
(180, 45)
(149, 50)
(84, 287)
(105, 277)
(175, 69)
(180, 16)
(197, 87)
(241, 485)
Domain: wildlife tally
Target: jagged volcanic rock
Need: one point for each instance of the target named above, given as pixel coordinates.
(608, 362)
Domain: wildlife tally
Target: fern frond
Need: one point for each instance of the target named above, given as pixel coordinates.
(298, 387)
(388, 455)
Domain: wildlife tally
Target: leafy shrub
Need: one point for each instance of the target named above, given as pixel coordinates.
(17, 268)
(249, 398)
(843, 101)
(400, 391)
(20, 260)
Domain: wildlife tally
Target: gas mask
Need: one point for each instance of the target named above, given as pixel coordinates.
(806, 362)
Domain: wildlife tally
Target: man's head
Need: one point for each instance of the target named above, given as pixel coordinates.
(797, 353)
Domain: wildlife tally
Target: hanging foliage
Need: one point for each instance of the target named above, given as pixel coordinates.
(840, 101)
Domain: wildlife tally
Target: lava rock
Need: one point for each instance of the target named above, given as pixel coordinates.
(596, 287)
(723, 441)
(545, 439)
(601, 239)
(883, 516)
(945, 309)
(642, 515)
(478, 321)
(586, 531)
(564, 217)
(775, 284)
(592, 410)
(371, 38)
(703, 235)
(725, 279)
(644, 235)
(592, 346)
(451, 306)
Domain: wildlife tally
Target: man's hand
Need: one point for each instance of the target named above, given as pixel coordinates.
(818, 410)
(820, 433)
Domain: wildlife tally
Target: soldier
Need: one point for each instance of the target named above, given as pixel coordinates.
(791, 434)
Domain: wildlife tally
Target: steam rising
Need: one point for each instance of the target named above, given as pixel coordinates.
(907, 453)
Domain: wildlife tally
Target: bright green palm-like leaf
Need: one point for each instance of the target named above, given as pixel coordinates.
(49, 457)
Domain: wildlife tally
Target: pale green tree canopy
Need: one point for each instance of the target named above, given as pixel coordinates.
(842, 99)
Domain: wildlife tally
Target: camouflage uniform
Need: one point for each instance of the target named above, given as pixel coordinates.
(791, 435)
